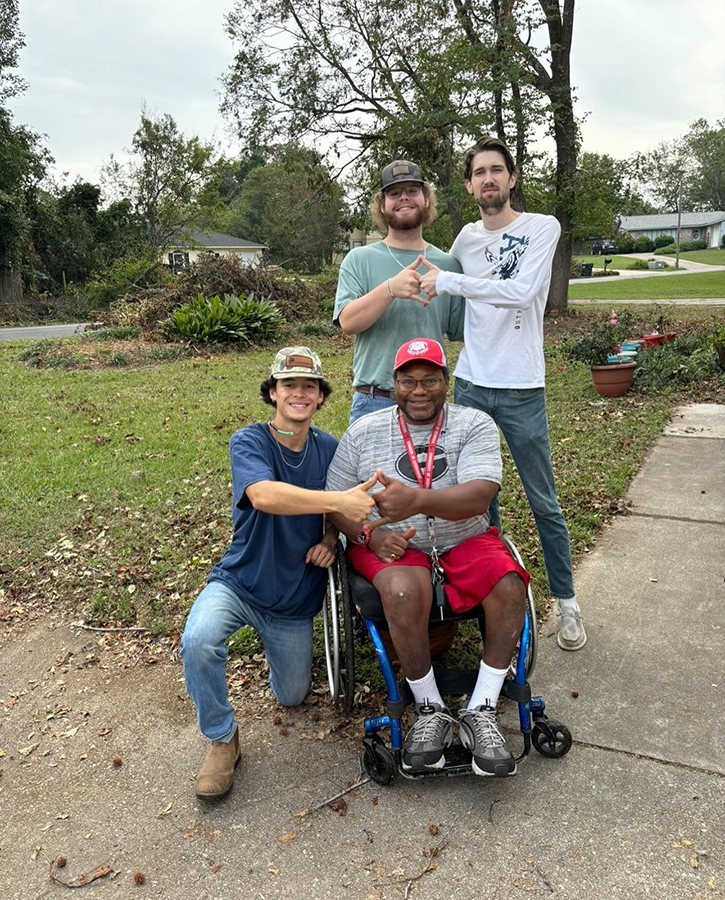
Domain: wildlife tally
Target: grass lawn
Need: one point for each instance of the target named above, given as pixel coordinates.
(715, 256)
(618, 262)
(666, 287)
(116, 486)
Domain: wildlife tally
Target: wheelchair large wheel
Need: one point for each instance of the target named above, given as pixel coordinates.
(337, 616)
(531, 608)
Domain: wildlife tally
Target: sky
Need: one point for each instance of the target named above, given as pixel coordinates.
(643, 70)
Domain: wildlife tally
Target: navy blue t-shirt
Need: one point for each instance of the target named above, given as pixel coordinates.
(265, 563)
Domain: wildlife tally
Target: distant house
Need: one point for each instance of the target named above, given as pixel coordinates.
(190, 244)
(360, 238)
(704, 226)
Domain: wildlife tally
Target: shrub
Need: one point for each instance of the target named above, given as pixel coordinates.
(663, 240)
(624, 242)
(110, 284)
(119, 358)
(324, 284)
(686, 360)
(113, 333)
(232, 319)
(220, 275)
(643, 245)
(319, 328)
(639, 264)
(666, 251)
(575, 269)
(145, 308)
(693, 245)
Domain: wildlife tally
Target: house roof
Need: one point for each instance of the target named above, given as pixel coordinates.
(215, 239)
(669, 220)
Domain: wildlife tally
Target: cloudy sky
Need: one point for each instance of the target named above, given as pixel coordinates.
(643, 70)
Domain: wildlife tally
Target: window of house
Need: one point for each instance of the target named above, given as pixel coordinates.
(357, 244)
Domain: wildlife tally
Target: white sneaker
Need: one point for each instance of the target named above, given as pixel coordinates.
(571, 634)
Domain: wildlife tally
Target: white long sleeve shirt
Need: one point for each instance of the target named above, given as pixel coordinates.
(506, 283)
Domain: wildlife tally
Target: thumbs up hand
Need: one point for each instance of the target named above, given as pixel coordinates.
(396, 501)
(428, 281)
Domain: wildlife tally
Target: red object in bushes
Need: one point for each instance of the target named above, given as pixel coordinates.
(653, 340)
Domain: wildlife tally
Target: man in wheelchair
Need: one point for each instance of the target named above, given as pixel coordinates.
(431, 532)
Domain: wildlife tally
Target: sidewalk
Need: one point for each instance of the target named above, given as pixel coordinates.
(636, 810)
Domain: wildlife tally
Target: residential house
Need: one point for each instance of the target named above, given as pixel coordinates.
(191, 243)
(703, 226)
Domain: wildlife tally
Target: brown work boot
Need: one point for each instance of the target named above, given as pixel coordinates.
(216, 774)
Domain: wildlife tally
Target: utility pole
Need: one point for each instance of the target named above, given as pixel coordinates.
(679, 220)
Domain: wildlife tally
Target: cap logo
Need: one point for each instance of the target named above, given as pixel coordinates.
(298, 362)
(415, 348)
(401, 170)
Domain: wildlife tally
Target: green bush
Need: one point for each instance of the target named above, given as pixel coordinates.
(686, 360)
(110, 284)
(601, 340)
(575, 269)
(643, 245)
(663, 240)
(113, 333)
(693, 245)
(324, 284)
(318, 328)
(624, 242)
(119, 358)
(231, 319)
(639, 264)
(666, 251)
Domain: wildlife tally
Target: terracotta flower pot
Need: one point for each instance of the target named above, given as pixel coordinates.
(614, 379)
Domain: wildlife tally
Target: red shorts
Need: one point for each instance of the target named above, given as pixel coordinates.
(473, 568)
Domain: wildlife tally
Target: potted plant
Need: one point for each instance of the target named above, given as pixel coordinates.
(596, 347)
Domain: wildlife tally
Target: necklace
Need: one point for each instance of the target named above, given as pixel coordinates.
(414, 251)
(281, 455)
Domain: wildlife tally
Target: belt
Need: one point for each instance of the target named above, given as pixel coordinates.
(372, 389)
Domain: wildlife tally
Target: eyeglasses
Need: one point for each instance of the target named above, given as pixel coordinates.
(397, 192)
(430, 383)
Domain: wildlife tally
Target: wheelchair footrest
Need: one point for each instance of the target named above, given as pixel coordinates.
(458, 762)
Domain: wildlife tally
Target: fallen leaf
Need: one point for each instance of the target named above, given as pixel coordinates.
(26, 751)
(712, 883)
(164, 811)
(289, 836)
(339, 806)
(217, 868)
(433, 829)
(694, 863)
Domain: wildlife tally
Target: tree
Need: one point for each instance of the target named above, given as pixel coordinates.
(165, 178)
(423, 86)
(706, 147)
(293, 205)
(603, 192)
(12, 42)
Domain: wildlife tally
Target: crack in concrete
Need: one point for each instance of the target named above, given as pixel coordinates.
(657, 759)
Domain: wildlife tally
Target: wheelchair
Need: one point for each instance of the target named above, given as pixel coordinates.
(353, 606)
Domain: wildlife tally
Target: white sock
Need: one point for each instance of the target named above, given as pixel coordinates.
(568, 603)
(425, 689)
(488, 686)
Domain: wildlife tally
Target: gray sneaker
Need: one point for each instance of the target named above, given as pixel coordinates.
(428, 737)
(480, 732)
(571, 634)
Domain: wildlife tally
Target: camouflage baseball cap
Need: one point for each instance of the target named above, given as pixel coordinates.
(296, 362)
(400, 170)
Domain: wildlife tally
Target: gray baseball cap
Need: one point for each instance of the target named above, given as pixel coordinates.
(400, 170)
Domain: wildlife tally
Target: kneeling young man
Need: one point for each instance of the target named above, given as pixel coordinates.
(434, 516)
(272, 577)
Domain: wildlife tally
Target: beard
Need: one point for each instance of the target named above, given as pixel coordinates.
(495, 203)
(407, 223)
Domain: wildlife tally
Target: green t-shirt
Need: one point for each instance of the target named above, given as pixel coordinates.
(363, 269)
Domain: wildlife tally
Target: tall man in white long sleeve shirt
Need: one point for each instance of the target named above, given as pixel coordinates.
(506, 259)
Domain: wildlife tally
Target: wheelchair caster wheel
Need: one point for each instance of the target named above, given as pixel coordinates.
(378, 761)
(551, 738)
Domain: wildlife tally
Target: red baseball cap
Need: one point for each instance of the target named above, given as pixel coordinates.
(420, 350)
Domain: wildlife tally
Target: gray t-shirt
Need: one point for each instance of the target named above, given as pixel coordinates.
(363, 269)
(468, 448)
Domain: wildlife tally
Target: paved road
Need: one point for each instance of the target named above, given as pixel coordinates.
(35, 332)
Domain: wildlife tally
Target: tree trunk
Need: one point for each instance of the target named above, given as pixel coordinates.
(11, 287)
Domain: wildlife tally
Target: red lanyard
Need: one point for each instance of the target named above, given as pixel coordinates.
(424, 480)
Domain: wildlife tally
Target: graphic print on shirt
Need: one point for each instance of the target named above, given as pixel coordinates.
(510, 253)
(405, 470)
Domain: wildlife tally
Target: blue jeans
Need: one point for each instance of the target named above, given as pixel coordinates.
(521, 416)
(362, 404)
(216, 614)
